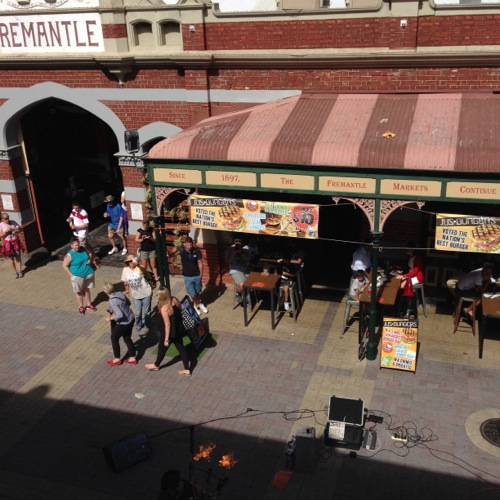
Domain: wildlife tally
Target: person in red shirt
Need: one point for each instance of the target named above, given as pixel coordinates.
(414, 276)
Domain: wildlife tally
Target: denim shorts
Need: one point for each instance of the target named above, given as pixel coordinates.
(193, 285)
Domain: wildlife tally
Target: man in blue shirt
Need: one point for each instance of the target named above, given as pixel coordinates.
(114, 213)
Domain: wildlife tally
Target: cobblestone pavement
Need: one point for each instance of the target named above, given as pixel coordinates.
(60, 403)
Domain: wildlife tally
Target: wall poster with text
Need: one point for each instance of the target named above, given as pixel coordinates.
(399, 344)
(295, 220)
(467, 233)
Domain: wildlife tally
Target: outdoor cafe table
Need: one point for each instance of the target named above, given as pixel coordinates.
(262, 282)
(491, 309)
(386, 296)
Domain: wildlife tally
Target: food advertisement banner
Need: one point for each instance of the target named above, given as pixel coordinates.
(467, 233)
(295, 220)
(399, 344)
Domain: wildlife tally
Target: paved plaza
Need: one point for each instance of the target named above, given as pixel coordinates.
(250, 392)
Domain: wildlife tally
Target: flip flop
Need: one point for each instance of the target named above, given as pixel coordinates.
(152, 367)
(185, 374)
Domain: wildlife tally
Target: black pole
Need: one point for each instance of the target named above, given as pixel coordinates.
(161, 251)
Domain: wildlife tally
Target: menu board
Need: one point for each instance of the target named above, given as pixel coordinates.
(399, 344)
(467, 233)
(295, 220)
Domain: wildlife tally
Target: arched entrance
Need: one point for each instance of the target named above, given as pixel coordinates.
(67, 153)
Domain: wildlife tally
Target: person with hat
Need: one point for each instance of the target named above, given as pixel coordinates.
(114, 213)
(139, 291)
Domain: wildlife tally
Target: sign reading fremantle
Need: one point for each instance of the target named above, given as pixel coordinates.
(52, 31)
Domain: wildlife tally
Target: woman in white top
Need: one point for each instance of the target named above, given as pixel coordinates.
(139, 291)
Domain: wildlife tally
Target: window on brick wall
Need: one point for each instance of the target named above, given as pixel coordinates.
(170, 35)
(143, 34)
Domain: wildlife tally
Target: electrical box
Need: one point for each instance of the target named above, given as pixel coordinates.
(305, 450)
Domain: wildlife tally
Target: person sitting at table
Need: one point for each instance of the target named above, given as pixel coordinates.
(473, 284)
(237, 258)
(361, 259)
(358, 285)
(414, 276)
(290, 268)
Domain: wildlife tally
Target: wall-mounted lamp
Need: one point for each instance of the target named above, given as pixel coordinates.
(132, 145)
(192, 29)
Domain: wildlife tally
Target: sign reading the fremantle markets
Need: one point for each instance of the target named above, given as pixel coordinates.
(295, 220)
(51, 33)
(467, 233)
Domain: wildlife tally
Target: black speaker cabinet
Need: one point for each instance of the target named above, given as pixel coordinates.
(127, 452)
(132, 141)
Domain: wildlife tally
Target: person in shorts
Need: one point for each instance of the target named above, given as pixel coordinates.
(192, 272)
(146, 238)
(77, 264)
(78, 221)
(114, 213)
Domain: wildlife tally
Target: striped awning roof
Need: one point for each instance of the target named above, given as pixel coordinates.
(458, 132)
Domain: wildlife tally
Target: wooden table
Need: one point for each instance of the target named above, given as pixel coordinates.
(491, 309)
(261, 282)
(386, 296)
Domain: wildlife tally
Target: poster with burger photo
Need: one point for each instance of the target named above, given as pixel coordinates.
(467, 233)
(231, 218)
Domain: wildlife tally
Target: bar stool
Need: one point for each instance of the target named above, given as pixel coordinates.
(250, 303)
(420, 287)
(294, 299)
(347, 315)
(458, 313)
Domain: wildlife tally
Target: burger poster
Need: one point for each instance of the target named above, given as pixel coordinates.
(467, 233)
(399, 344)
(296, 220)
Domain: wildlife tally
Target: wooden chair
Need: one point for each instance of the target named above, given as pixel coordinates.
(458, 313)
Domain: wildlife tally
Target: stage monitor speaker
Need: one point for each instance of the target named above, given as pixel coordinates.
(127, 452)
(132, 141)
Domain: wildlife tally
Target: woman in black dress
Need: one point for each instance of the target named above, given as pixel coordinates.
(171, 331)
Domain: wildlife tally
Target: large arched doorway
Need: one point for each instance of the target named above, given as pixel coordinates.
(68, 153)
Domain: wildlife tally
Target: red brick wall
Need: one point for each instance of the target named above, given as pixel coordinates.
(114, 30)
(360, 80)
(435, 31)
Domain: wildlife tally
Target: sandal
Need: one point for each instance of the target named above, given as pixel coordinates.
(131, 361)
(152, 367)
(183, 372)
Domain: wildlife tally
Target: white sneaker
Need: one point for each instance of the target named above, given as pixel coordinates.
(287, 306)
(203, 307)
(124, 251)
(112, 251)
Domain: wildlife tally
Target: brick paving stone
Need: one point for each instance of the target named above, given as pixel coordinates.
(61, 403)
